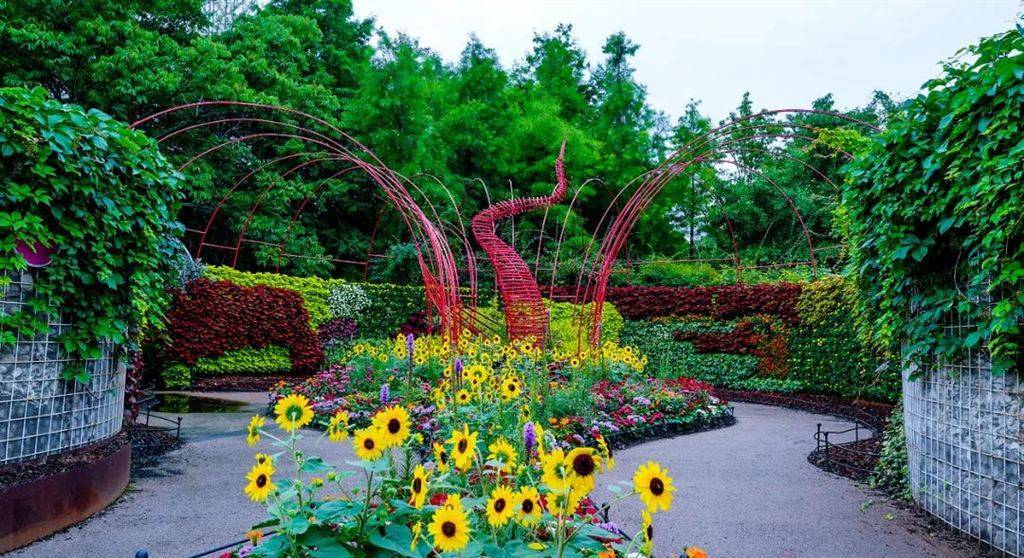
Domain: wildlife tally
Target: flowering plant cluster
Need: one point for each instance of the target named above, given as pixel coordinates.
(493, 483)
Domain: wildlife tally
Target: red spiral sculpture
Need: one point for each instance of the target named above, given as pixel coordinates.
(525, 314)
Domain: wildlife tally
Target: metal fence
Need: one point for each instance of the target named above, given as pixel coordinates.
(964, 439)
(41, 414)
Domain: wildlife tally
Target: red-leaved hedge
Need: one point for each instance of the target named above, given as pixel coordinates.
(756, 336)
(209, 318)
(721, 302)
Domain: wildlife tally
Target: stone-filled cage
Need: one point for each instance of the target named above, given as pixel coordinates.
(40, 413)
(965, 443)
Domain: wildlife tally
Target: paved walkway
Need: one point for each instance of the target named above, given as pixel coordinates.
(744, 491)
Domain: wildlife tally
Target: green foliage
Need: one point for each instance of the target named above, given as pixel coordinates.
(268, 360)
(568, 318)
(892, 471)
(670, 358)
(99, 194)
(825, 352)
(390, 307)
(934, 211)
(314, 291)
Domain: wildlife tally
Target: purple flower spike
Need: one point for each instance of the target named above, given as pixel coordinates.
(385, 394)
(458, 367)
(410, 343)
(529, 437)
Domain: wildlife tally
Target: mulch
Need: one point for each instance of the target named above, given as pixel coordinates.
(854, 460)
(147, 445)
(14, 474)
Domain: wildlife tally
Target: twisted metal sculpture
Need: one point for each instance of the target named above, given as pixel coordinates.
(526, 317)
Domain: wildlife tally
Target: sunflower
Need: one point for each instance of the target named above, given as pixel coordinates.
(417, 532)
(648, 532)
(510, 388)
(262, 458)
(368, 445)
(440, 458)
(564, 503)
(253, 431)
(463, 447)
(501, 506)
(393, 424)
(293, 412)
(502, 451)
(555, 471)
(528, 510)
(654, 486)
(260, 483)
(337, 428)
(463, 397)
(606, 453)
(450, 528)
(418, 487)
(582, 466)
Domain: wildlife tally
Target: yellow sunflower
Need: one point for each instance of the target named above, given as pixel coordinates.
(555, 471)
(501, 506)
(337, 428)
(606, 453)
(260, 484)
(648, 532)
(440, 458)
(368, 444)
(463, 447)
(502, 451)
(418, 487)
(654, 486)
(528, 511)
(450, 529)
(510, 388)
(393, 424)
(262, 458)
(293, 412)
(463, 397)
(253, 432)
(564, 503)
(582, 466)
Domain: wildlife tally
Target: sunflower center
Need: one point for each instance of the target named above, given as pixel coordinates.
(448, 528)
(527, 506)
(650, 532)
(511, 387)
(417, 485)
(499, 505)
(394, 426)
(463, 445)
(657, 486)
(583, 465)
(368, 444)
(261, 481)
(443, 457)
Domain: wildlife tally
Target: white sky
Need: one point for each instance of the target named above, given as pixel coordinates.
(785, 53)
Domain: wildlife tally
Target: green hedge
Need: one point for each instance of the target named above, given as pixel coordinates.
(269, 360)
(313, 290)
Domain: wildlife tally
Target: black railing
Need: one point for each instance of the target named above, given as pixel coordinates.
(836, 454)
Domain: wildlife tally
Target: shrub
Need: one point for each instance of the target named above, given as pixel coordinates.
(390, 307)
(566, 319)
(892, 471)
(210, 318)
(670, 358)
(315, 292)
(337, 329)
(268, 360)
(104, 198)
(934, 208)
(347, 300)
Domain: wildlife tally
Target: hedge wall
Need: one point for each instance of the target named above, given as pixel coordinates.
(782, 338)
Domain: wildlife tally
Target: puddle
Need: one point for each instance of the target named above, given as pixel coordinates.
(183, 403)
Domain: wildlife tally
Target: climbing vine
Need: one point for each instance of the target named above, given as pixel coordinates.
(103, 199)
(936, 211)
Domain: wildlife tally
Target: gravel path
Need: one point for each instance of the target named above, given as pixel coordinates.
(744, 491)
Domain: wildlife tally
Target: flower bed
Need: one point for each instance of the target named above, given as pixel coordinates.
(469, 451)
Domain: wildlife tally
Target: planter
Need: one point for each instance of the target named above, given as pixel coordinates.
(965, 443)
(46, 505)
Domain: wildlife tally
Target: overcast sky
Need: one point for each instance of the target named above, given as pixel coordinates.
(785, 53)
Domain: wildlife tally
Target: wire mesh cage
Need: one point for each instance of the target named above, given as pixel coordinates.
(40, 413)
(965, 443)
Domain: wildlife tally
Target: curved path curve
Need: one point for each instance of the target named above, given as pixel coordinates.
(744, 491)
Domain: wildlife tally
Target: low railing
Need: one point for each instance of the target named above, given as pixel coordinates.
(831, 452)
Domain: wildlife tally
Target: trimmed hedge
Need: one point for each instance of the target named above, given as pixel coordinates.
(268, 360)
(313, 290)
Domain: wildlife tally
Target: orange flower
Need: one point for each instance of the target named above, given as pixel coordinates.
(606, 553)
(695, 552)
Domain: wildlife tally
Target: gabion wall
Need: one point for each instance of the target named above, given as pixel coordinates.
(964, 440)
(40, 414)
